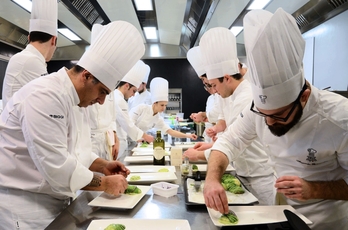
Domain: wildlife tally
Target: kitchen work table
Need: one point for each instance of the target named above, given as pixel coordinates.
(79, 215)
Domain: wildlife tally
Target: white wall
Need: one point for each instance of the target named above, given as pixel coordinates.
(330, 53)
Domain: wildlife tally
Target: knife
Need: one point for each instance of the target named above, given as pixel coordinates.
(198, 181)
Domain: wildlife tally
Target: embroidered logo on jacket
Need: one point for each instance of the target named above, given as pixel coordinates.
(263, 98)
(57, 116)
(311, 158)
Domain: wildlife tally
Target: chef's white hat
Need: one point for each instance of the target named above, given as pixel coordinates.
(275, 50)
(44, 16)
(96, 29)
(159, 89)
(115, 51)
(147, 73)
(195, 59)
(135, 76)
(219, 52)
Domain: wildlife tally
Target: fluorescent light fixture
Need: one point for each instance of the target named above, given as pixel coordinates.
(26, 4)
(69, 34)
(150, 32)
(154, 50)
(236, 30)
(143, 5)
(258, 4)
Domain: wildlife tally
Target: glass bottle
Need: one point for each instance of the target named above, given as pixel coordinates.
(158, 150)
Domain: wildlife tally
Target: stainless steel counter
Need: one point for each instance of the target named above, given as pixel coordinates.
(79, 214)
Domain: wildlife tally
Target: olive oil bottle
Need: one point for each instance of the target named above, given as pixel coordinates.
(158, 150)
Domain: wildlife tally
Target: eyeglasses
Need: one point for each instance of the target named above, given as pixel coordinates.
(207, 85)
(283, 119)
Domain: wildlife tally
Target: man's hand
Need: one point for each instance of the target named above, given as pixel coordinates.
(191, 136)
(115, 167)
(148, 138)
(115, 184)
(215, 196)
(201, 146)
(199, 117)
(211, 132)
(194, 155)
(293, 187)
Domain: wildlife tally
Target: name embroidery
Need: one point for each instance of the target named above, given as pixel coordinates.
(57, 116)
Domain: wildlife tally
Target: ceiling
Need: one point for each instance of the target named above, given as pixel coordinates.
(179, 23)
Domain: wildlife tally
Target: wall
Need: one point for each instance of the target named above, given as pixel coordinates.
(330, 53)
(179, 74)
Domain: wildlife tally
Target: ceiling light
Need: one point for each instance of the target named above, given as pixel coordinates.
(143, 5)
(258, 4)
(26, 4)
(150, 32)
(236, 30)
(69, 34)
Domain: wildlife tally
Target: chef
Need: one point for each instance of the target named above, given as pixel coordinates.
(124, 125)
(102, 120)
(210, 116)
(221, 64)
(303, 129)
(45, 146)
(147, 117)
(30, 63)
(142, 96)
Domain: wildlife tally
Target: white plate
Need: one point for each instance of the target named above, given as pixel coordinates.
(203, 168)
(184, 143)
(149, 178)
(197, 197)
(166, 144)
(149, 153)
(146, 150)
(248, 215)
(149, 168)
(147, 224)
(141, 159)
(124, 201)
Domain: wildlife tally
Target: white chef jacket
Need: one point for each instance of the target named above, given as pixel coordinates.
(124, 124)
(316, 149)
(212, 116)
(142, 116)
(43, 148)
(103, 125)
(214, 110)
(140, 98)
(22, 68)
(253, 161)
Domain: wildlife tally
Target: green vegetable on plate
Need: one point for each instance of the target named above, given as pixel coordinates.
(163, 170)
(135, 178)
(132, 189)
(115, 227)
(230, 218)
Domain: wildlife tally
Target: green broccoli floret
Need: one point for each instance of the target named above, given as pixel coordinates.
(228, 219)
(132, 189)
(231, 184)
(115, 227)
(225, 176)
(236, 190)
